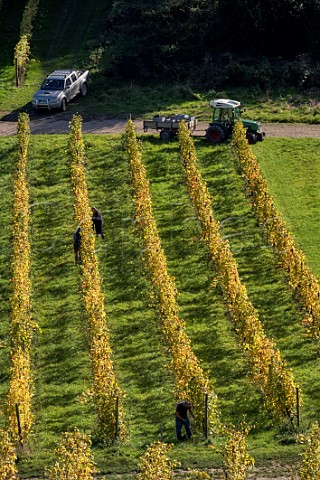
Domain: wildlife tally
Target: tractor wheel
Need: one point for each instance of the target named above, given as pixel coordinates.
(215, 134)
(251, 137)
(165, 135)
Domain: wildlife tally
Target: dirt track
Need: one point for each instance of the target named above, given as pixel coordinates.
(59, 123)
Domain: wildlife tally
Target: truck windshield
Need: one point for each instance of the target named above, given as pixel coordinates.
(52, 84)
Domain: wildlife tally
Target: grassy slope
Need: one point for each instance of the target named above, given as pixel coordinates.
(139, 354)
(60, 351)
(64, 32)
(292, 167)
(265, 284)
(62, 38)
(256, 265)
(60, 354)
(59, 348)
(10, 18)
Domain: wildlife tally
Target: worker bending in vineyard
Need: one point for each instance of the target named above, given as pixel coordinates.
(77, 245)
(182, 420)
(97, 221)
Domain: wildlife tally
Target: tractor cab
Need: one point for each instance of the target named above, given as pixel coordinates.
(225, 114)
(225, 111)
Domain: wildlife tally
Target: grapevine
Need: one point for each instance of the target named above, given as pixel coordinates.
(21, 324)
(22, 48)
(310, 465)
(268, 370)
(21, 57)
(29, 13)
(8, 457)
(75, 460)
(106, 393)
(155, 464)
(237, 461)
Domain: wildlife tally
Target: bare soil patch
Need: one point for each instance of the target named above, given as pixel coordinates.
(274, 471)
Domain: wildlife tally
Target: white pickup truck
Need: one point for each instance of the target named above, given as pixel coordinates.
(59, 88)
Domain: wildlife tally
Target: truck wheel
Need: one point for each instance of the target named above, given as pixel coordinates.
(215, 134)
(84, 89)
(165, 135)
(251, 137)
(63, 105)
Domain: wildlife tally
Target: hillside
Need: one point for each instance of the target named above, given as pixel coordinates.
(63, 37)
(74, 34)
(10, 18)
(120, 54)
(63, 32)
(60, 349)
(57, 32)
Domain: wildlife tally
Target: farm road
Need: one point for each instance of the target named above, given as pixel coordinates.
(58, 123)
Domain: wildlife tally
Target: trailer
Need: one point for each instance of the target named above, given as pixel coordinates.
(226, 113)
(169, 125)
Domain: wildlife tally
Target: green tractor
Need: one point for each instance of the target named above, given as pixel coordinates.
(225, 114)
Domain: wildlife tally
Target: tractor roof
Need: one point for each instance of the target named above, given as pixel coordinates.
(224, 103)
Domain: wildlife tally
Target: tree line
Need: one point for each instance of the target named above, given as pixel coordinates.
(214, 41)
